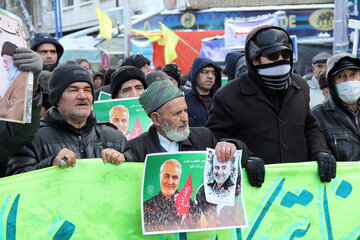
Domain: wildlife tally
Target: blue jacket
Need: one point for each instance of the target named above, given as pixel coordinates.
(197, 108)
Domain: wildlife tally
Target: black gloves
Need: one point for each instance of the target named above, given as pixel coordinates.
(326, 164)
(256, 171)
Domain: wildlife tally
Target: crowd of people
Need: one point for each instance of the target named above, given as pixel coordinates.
(271, 113)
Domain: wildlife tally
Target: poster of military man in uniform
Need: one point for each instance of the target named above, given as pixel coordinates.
(15, 85)
(125, 113)
(174, 199)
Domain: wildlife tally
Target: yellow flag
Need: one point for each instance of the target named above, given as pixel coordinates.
(105, 24)
(153, 37)
(170, 41)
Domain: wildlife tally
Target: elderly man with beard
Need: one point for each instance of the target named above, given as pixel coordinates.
(69, 130)
(165, 105)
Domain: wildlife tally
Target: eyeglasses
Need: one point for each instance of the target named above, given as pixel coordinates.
(44, 52)
(286, 54)
(206, 72)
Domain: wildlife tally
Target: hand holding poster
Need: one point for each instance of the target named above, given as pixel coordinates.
(15, 85)
(125, 113)
(169, 203)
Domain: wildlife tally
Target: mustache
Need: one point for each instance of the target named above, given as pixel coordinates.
(82, 101)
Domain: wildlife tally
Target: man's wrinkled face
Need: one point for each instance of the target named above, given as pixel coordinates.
(75, 102)
(170, 177)
(175, 120)
(318, 68)
(48, 53)
(221, 170)
(131, 88)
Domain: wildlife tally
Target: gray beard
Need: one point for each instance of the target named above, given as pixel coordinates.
(173, 134)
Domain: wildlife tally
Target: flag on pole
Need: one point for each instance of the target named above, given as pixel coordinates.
(105, 24)
(166, 38)
(152, 36)
(170, 39)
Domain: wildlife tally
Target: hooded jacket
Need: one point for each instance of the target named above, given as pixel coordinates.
(55, 133)
(244, 109)
(232, 62)
(338, 123)
(41, 38)
(197, 108)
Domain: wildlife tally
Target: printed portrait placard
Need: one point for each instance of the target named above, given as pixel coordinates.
(174, 199)
(125, 113)
(15, 86)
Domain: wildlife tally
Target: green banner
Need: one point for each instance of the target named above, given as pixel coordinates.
(126, 114)
(102, 201)
(104, 96)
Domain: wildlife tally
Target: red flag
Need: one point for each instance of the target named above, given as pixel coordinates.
(137, 130)
(182, 202)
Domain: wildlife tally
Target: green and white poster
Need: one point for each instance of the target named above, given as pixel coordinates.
(103, 201)
(174, 197)
(125, 113)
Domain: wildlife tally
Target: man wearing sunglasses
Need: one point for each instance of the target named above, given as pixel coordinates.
(268, 106)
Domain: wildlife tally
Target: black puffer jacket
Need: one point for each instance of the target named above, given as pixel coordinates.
(55, 133)
(338, 123)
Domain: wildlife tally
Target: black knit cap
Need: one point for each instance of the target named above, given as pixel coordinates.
(123, 74)
(64, 75)
(8, 48)
(172, 70)
(138, 60)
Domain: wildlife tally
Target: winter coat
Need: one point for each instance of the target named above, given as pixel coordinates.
(55, 133)
(198, 140)
(15, 135)
(244, 109)
(197, 108)
(338, 123)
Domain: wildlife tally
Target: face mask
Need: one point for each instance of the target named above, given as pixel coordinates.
(349, 92)
(275, 75)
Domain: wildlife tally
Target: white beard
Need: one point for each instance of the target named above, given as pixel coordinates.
(173, 134)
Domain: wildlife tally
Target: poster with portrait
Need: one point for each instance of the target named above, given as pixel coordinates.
(15, 86)
(220, 178)
(173, 196)
(125, 113)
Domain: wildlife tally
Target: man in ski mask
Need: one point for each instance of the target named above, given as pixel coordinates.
(49, 49)
(339, 115)
(268, 107)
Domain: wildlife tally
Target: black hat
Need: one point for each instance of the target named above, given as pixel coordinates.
(320, 58)
(8, 48)
(123, 74)
(138, 60)
(64, 75)
(269, 41)
(41, 38)
(156, 75)
(172, 70)
(345, 63)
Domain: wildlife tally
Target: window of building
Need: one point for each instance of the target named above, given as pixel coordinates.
(68, 3)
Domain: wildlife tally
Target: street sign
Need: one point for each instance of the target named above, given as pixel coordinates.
(295, 50)
(105, 61)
